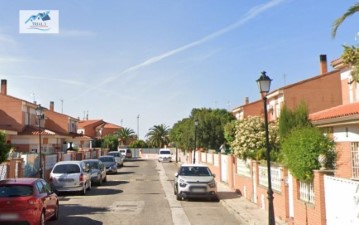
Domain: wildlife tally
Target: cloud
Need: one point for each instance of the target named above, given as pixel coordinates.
(6, 39)
(251, 14)
(77, 33)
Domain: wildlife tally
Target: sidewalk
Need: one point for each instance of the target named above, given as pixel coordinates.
(245, 211)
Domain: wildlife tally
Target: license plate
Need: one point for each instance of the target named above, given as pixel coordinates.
(9, 216)
(198, 189)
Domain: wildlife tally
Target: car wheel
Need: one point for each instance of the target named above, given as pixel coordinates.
(175, 189)
(42, 218)
(179, 197)
(56, 214)
(83, 192)
(89, 185)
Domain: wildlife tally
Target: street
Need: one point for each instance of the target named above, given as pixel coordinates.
(140, 193)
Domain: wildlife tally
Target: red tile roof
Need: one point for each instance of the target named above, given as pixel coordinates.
(111, 125)
(30, 130)
(85, 123)
(336, 112)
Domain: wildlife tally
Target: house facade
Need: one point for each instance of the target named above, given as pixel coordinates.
(320, 92)
(20, 123)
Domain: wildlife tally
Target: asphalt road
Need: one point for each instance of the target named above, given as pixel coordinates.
(141, 193)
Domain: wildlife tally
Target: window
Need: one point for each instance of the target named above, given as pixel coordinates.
(355, 160)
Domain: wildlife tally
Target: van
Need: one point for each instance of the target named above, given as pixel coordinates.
(164, 155)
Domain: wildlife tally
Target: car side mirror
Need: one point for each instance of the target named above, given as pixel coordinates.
(176, 174)
(213, 174)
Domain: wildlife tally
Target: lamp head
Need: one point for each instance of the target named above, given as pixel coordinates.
(264, 83)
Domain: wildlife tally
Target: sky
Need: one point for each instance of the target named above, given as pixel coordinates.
(141, 63)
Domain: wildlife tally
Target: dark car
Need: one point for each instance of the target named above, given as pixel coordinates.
(27, 200)
(97, 170)
(110, 163)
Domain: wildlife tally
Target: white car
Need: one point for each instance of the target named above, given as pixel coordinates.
(164, 155)
(195, 181)
(68, 176)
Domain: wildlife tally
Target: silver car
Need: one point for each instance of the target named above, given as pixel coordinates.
(195, 181)
(68, 176)
(110, 163)
(118, 157)
(97, 170)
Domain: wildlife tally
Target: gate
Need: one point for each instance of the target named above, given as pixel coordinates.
(224, 166)
(341, 201)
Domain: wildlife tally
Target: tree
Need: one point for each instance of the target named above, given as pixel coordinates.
(250, 140)
(4, 147)
(110, 141)
(158, 136)
(138, 144)
(289, 119)
(210, 129)
(301, 150)
(125, 134)
(352, 10)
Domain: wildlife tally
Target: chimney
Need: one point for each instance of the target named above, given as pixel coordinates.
(323, 64)
(52, 106)
(246, 100)
(4, 87)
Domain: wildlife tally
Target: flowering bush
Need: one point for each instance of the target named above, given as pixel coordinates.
(250, 140)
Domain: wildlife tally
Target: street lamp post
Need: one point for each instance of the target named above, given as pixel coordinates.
(138, 126)
(195, 140)
(40, 115)
(264, 85)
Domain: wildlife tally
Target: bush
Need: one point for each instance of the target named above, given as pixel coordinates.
(301, 149)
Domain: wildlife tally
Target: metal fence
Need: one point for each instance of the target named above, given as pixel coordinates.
(276, 177)
(306, 191)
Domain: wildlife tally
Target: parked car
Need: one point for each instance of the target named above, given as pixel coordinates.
(164, 155)
(126, 152)
(195, 181)
(97, 170)
(118, 157)
(110, 163)
(27, 200)
(68, 176)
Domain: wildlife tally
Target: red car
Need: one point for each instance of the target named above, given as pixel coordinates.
(28, 200)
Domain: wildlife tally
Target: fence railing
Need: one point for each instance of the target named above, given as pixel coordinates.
(276, 177)
(306, 192)
(243, 168)
(3, 171)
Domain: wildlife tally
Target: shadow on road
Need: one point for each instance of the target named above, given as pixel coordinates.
(113, 183)
(228, 195)
(67, 212)
(127, 172)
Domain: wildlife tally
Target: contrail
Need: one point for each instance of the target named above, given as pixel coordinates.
(252, 13)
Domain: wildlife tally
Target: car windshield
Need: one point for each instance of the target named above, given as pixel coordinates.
(165, 152)
(114, 154)
(15, 190)
(92, 164)
(107, 159)
(195, 171)
(67, 168)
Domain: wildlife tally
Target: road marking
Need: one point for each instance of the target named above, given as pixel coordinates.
(128, 207)
(179, 216)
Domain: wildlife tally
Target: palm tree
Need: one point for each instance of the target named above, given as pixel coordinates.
(125, 134)
(158, 135)
(353, 9)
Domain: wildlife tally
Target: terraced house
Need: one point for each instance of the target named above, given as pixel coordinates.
(19, 121)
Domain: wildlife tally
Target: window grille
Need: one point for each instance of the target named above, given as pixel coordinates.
(355, 160)
(306, 191)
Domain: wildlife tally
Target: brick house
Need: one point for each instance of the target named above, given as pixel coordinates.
(319, 93)
(342, 122)
(97, 129)
(19, 121)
